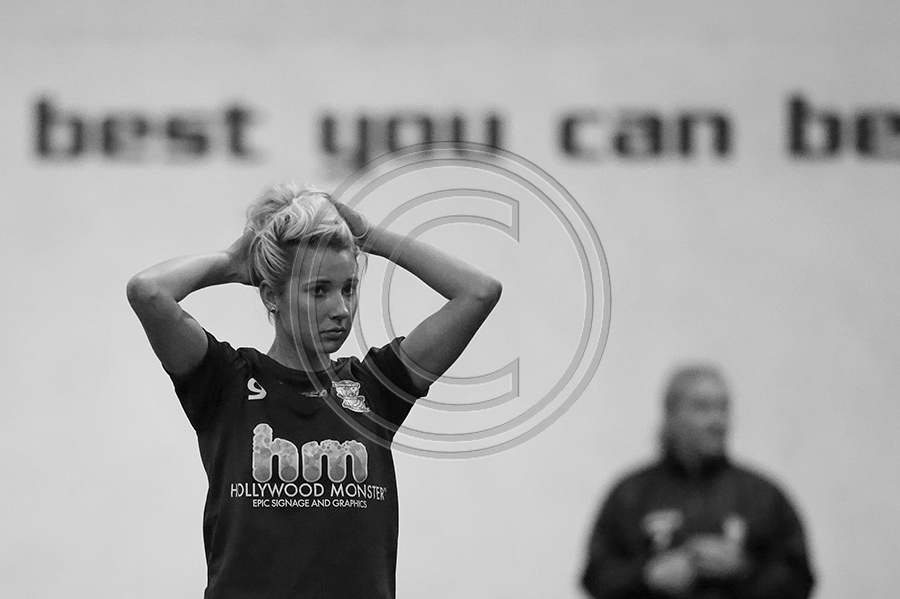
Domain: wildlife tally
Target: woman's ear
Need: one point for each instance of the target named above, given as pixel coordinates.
(269, 297)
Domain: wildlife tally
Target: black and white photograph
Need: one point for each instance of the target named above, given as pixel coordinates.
(451, 300)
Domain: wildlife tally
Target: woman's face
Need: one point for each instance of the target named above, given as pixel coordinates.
(318, 305)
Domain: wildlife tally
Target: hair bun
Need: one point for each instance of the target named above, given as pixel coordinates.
(284, 216)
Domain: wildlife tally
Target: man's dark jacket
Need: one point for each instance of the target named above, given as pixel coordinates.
(662, 505)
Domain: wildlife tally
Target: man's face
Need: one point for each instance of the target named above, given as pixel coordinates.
(698, 422)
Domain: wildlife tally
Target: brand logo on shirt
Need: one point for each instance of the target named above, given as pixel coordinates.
(255, 389)
(348, 392)
(265, 449)
(315, 394)
(312, 491)
(661, 525)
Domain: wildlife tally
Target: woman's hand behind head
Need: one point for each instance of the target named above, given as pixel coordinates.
(358, 223)
(239, 259)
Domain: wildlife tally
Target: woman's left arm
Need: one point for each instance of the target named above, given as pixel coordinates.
(435, 343)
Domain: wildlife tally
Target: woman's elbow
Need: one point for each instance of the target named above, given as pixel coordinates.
(141, 291)
(488, 292)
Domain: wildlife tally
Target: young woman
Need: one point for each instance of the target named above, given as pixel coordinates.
(302, 497)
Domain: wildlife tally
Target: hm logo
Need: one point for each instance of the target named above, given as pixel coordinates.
(265, 448)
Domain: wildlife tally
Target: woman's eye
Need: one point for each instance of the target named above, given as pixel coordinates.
(319, 291)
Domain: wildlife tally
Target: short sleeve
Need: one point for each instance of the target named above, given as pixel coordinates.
(200, 391)
(392, 375)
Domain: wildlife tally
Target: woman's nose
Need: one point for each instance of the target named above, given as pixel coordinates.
(340, 306)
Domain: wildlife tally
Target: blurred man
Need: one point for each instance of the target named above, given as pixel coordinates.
(694, 524)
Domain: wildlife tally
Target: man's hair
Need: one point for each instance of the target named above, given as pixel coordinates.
(683, 376)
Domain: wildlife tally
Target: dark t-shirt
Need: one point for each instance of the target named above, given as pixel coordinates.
(302, 499)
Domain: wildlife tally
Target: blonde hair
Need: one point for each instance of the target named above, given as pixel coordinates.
(285, 217)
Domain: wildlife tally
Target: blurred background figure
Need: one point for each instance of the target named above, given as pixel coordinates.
(695, 524)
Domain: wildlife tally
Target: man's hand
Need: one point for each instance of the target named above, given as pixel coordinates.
(717, 556)
(672, 572)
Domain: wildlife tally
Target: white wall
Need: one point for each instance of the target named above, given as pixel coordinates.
(780, 269)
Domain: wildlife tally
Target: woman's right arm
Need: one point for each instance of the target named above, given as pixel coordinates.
(177, 339)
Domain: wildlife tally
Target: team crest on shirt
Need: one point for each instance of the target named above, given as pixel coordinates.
(661, 525)
(735, 528)
(348, 392)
